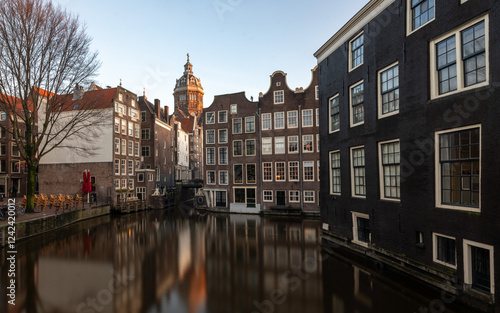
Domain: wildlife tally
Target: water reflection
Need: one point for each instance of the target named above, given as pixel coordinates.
(160, 262)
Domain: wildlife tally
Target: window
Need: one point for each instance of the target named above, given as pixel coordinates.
(237, 126)
(279, 97)
(316, 92)
(335, 177)
(222, 155)
(309, 196)
(308, 170)
(357, 50)
(145, 151)
(293, 171)
(222, 135)
(317, 117)
(292, 119)
(221, 198)
(294, 196)
(250, 124)
(479, 266)
(210, 156)
(131, 167)
(267, 171)
(124, 127)
(222, 116)
(140, 177)
(136, 130)
(279, 120)
(210, 117)
(3, 149)
(143, 116)
(237, 148)
(279, 145)
(388, 91)
(458, 175)
(15, 150)
(358, 172)
(293, 144)
(361, 229)
(210, 136)
(307, 118)
(250, 173)
(280, 171)
(459, 59)
(266, 121)
(308, 143)
(245, 196)
(389, 170)
(117, 167)
(117, 145)
(357, 104)
(117, 125)
(238, 173)
(234, 108)
(131, 129)
(268, 196)
(422, 12)
(145, 134)
(267, 145)
(223, 177)
(124, 167)
(317, 142)
(211, 177)
(444, 250)
(124, 147)
(131, 148)
(136, 149)
(250, 147)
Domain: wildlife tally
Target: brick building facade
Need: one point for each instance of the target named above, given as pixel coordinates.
(409, 117)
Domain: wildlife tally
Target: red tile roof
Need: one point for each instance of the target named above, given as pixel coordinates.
(186, 123)
(94, 99)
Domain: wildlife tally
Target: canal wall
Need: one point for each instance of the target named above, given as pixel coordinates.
(39, 225)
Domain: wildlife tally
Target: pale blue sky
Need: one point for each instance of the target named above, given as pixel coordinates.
(234, 45)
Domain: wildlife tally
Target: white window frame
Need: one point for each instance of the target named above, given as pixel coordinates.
(214, 161)
(350, 51)
(313, 196)
(227, 178)
(227, 155)
(312, 118)
(206, 118)
(276, 120)
(434, 76)
(304, 171)
(330, 172)
(288, 116)
(272, 172)
(234, 109)
(267, 118)
(207, 136)
(316, 92)
(241, 125)
(296, 141)
(289, 171)
(330, 130)
(254, 147)
(269, 194)
(279, 97)
(303, 146)
(438, 170)
(353, 187)
(409, 19)
(435, 252)
(242, 149)
(381, 170)
(467, 262)
(276, 171)
(351, 110)
(379, 91)
(215, 178)
(219, 120)
(270, 143)
(252, 131)
(297, 195)
(276, 142)
(355, 236)
(219, 136)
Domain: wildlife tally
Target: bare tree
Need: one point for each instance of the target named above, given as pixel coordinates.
(44, 53)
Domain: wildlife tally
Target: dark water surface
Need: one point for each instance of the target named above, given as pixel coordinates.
(163, 262)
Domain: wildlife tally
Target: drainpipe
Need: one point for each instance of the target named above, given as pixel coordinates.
(260, 157)
(299, 120)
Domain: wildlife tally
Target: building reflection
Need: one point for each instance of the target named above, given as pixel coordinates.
(256, 264)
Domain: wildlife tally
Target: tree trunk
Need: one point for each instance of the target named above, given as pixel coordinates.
(31, 186)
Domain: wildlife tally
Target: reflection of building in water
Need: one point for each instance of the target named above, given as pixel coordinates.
(254, 263)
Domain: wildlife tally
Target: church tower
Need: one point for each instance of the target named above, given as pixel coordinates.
(188, 93)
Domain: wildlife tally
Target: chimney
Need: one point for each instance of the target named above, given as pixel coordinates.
(165, 108)
(157, 108)
(78, 93)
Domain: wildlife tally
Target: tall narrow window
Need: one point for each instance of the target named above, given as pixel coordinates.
(210, 156)
(267, 145)
(267, 171)
(250, 173)
(390, 170)
(279, 120)
(237, 126)
(250, 124)
(309, 171)
(447, 65)
(358, 172)
(473, 54)
(210, 136)
(266, 121)
(334, 109)
(422, 11)
(250, 147)
(293, 171)
(238, 173)
(357, 51)
(279, 145)
(307, 118)
(293, 144)
(308, 143)
(237, 148)
(357, 103)
(335, 172)
(280, 171)
(223, 155)
(222, 135)
(222, 116)
(389, 90)
(292, 119)
(279, 97)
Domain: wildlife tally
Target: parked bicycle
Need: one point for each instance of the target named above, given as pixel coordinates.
(4, 211)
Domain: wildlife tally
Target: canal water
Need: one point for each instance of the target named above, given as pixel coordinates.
(163, 261)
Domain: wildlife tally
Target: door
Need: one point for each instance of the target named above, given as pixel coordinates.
(480, 269)
(280, 197)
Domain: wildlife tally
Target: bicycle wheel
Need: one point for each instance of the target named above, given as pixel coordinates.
(20, 210)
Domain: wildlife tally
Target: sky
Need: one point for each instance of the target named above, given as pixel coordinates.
(234, 45)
